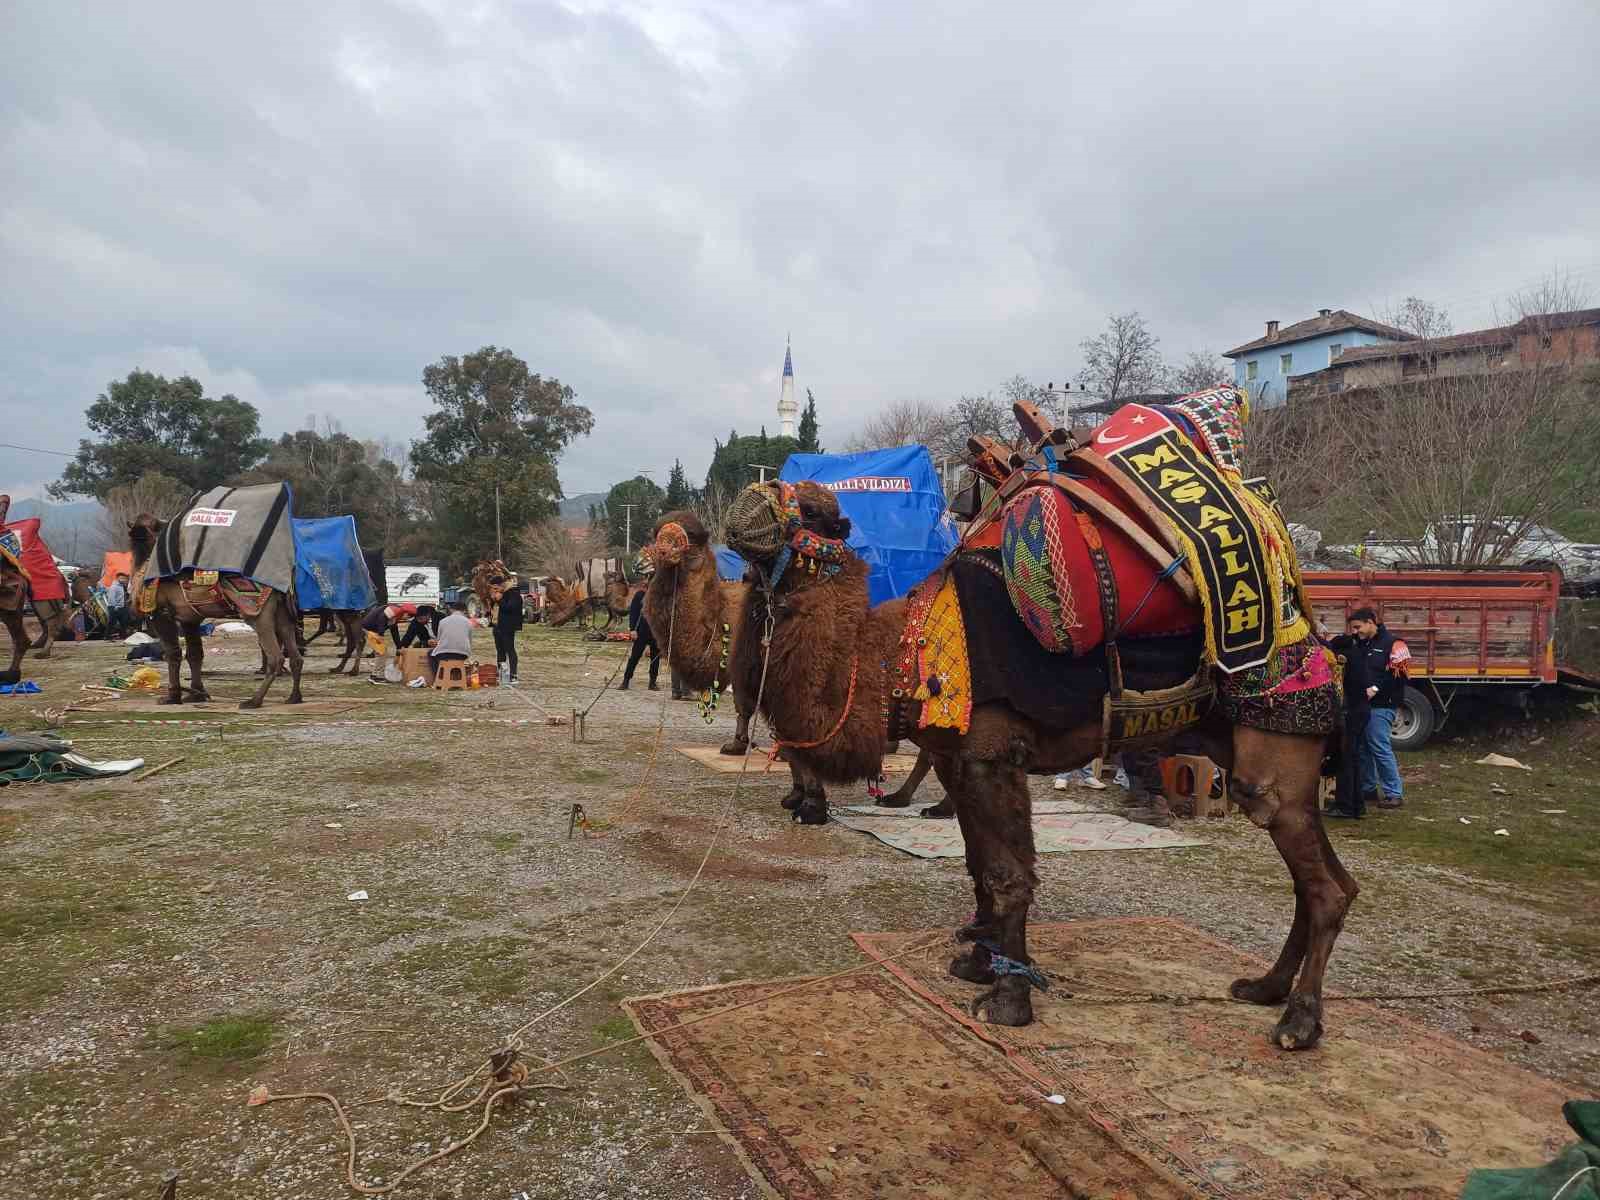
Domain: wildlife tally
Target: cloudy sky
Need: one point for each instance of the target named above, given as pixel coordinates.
(305, 203)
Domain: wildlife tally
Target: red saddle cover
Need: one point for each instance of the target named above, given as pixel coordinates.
(1049, 550)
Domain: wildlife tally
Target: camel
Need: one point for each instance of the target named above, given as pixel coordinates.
(13, 599)
(828, 696)
(52, 615)
(568, 600)
(276, 625)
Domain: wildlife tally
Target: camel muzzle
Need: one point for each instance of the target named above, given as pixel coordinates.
(756, 524)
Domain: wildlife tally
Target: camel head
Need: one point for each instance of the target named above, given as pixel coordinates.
(142, 534)
(765, 517)
(675, 537)
(562, 600)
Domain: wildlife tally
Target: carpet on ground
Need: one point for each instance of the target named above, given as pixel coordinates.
(730, 764)
(1058, 826)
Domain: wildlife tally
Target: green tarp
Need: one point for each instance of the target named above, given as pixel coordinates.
(1573, 1175)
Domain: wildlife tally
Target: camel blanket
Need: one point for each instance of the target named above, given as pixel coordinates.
(235, 531)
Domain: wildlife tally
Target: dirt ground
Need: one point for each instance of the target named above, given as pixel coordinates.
(167, 945)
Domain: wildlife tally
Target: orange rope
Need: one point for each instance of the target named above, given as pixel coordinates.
(849, 702)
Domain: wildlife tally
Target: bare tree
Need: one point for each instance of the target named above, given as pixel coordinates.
(1420, 317)
(1199, 371)
(711, 506)
(1124, 360)
(152, 492)
(899, 423)
(548, 548)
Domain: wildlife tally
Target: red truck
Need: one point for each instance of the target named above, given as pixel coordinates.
(1487, 631)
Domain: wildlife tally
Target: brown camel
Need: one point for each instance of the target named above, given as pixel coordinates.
(52, 615)
(573, 599)
(828, 692)
(276, 625)
(13, 599)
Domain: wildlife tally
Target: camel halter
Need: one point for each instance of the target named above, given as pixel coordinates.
(822, 556)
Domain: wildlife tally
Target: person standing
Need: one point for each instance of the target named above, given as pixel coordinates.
(643, 639)
(117, 614)
(1376, 666)
(507, 624)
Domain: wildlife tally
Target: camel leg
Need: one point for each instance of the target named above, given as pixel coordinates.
(194, 648)
(797, 790)
(166, 629)
(996, 794)
(973, 965)
(741, 729)
(1275, 782)
(352, 633)
(287, 623)
(271, 657)
(49, 614)
(901, 796)
(19, 646)
(812, 808)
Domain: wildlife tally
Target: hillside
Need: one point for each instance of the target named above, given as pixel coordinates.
(575, 509)
(73, 530)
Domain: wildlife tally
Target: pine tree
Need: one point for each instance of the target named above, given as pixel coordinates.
(678, 494)
(808, 427)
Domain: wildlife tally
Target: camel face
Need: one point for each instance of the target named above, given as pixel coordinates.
(764, 516)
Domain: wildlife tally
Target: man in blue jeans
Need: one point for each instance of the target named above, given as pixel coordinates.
(1376, 667)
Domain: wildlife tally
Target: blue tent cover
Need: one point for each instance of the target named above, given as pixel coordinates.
(329, 571)
(730, 566)
(898, 522)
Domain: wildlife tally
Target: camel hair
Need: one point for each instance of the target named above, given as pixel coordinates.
(825, 635)
(13, 599)
(703, 603)
(276, 626)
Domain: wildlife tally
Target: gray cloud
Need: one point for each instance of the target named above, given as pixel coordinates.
(307, 203)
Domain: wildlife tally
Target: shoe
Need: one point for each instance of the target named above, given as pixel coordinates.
(655, 687)
(1060, 783)
(1160, 818)
(1395, 802)
(1090, 781)
(1342, 814)
(623, 686)
(513, 679)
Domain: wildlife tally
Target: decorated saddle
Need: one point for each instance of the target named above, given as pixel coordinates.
(1147, 531)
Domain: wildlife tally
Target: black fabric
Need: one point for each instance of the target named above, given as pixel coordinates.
(636, 613)
(378, 575)
(1009, 665)
(509, 614)
(420, 632)
(642, 641)
(375, 620)
(264, 538)
(1366, 664)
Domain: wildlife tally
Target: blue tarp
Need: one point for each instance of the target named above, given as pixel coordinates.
(329, 571)
(898, 522)
(730, 566)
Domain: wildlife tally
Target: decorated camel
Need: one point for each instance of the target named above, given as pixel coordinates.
(53, 614)
(570, 599)
(172, 587)
(13, 596)
(1063, 626)
(702, 622)
(48, 592)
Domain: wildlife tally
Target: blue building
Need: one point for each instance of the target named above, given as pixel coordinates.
(1264, 367)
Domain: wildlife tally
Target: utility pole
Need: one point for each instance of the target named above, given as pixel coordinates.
(498, 552)
(1063, 392)
(627, 528)
(763, 468)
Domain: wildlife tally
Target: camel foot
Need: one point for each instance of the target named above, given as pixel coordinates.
(335, 670)
(894, 800)
(193, 696)
(812, 811)
(971, 967)
(1006, 1003)
(249, 704)
(295, 698)
(1265, 990)
(940, 811)
(43, 653)
(734, 748)
(1301, 1026)
(975, 931)
(792, 800)
(10, 676)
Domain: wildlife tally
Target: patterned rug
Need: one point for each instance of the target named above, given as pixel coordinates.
(858, 1088)
(1058, 826)
(729, 764)
(1384, 1107)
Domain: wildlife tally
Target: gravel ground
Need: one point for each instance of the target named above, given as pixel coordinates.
(171, 944)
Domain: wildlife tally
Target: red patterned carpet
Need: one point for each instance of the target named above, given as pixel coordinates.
(872, 1086)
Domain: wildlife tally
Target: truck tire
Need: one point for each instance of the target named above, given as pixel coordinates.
(1414, 721)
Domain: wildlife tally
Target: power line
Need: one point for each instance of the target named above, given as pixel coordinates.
(37, 450)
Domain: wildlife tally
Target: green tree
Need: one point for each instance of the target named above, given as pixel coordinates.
(679, 493)
(624, 531)
(734, 465)
(147, 423)
(808, 427)
(499, 428)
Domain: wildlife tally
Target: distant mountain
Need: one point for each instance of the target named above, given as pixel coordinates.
(575, 509)
(73, 530)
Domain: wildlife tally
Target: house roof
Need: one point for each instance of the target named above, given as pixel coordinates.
(1560, 320)
(1335, 322)
(1477, 339)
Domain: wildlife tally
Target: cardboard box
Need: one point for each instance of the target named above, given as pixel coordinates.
(413, 663)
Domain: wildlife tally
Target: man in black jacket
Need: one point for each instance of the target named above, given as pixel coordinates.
(1374, 685)
(507, 623)
(643, 639)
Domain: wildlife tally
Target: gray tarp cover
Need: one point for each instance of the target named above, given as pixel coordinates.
(243, 531)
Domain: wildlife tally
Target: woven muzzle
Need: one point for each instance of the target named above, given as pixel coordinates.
(672, 543)
(757, 522)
